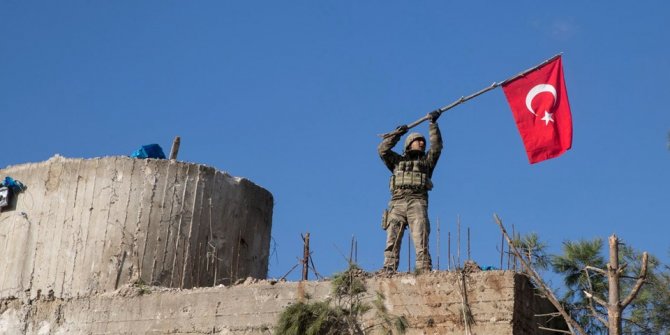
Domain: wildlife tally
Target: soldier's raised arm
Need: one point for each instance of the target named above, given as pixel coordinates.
(388, 156)
(435, 138)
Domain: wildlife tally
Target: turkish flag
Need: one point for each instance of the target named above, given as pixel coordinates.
(539, 102)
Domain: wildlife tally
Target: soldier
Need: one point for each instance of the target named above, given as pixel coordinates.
(409, 186)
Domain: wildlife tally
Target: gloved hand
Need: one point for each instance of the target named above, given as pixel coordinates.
(434, 115)
(402, 130)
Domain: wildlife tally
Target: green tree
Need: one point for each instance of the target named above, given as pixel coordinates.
(578, 264)
(660, 302)
(650, 312)
(572, 265)
(626, 293)
(534, 250)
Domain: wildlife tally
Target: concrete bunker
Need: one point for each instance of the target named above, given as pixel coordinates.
(86, 226)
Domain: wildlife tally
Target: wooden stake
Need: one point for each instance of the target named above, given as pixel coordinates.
(174, 151)
(305, 257)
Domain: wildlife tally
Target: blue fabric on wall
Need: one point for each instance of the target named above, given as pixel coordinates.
(149, 151)
(13, 184)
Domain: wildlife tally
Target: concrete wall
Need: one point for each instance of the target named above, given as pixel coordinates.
(86, 226)
(80, 245)
(431, 303)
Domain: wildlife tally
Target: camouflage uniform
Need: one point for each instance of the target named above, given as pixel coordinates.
(409, 186)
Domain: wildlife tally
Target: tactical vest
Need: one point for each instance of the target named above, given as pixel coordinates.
(411, 174)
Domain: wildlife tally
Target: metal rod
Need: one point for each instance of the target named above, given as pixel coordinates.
(438, 244)
(316, 273)
(469, 258)
(473, 95)
(525, 72)
(289, 271)
(448, 250)
(514, 258)
(237, 261)
(509, 256)
(554, 330)
(351, 250)
(356, 252)
(458, 241)
(502, 251)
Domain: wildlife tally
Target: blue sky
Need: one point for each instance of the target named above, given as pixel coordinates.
(292, 95)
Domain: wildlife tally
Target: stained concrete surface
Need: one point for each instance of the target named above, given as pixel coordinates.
(502, 303)
(88, 226)
(116, 245)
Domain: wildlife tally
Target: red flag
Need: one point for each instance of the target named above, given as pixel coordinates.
(539, 102)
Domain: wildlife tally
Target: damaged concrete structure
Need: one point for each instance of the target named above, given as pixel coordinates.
(117, 245)
(501, 303)
(87, 226)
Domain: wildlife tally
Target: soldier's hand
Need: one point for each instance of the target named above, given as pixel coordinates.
(402, 130)
(434, 115)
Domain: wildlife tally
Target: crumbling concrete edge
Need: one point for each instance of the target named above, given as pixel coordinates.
(430, 302)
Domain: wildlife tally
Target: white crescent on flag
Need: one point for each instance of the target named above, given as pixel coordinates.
(537, 90)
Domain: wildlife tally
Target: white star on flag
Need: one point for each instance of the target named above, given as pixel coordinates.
(548, 117)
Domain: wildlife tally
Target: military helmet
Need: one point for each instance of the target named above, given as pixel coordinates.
(411, 138)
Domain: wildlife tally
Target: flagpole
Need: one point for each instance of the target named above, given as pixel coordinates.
(473, 95)
(523, 73)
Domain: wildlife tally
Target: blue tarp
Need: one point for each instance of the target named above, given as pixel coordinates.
(149, 151)
(13, 184)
